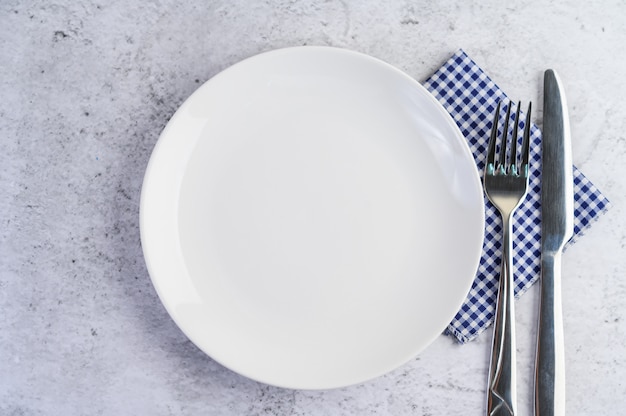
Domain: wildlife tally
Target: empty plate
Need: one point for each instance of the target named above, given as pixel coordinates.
(312, 218)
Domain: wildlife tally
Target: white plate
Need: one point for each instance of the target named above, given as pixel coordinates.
(312, 218)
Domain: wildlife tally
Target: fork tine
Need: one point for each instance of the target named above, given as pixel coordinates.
(491, 147)
(526, 143)
(505, 132)
(513, 156)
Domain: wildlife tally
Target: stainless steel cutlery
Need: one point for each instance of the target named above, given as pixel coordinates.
(505, 183)
(557, 227)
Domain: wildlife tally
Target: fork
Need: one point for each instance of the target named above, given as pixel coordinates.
(506, 182)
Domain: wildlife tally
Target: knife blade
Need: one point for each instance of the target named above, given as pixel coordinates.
(557, 227)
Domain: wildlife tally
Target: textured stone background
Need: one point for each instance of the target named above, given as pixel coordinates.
(87, 86)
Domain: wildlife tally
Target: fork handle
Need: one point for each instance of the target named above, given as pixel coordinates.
(550, 359)
(501, 389)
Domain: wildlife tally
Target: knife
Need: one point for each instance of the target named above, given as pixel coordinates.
(557, 227)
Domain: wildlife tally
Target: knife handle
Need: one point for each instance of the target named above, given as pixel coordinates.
(550, 359)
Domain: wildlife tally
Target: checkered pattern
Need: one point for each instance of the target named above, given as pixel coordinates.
(471, 99)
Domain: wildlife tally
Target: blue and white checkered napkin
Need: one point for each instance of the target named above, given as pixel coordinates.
(471, 98)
